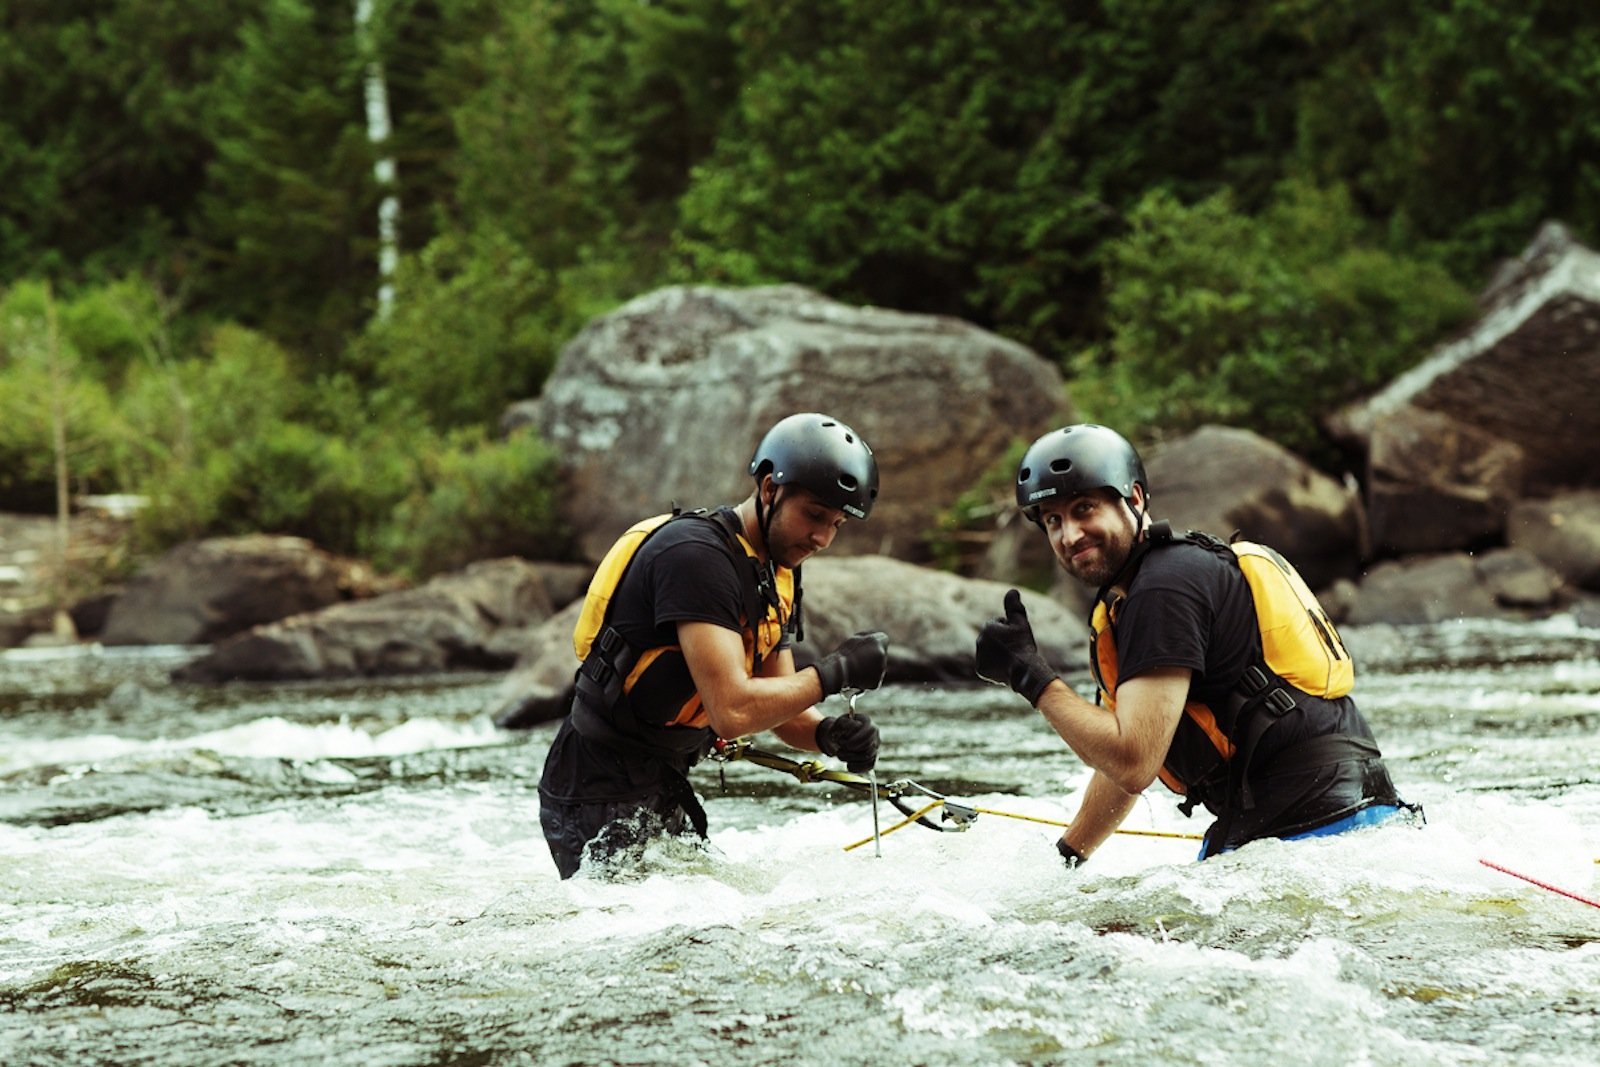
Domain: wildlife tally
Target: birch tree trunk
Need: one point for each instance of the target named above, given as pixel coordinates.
(383, 167)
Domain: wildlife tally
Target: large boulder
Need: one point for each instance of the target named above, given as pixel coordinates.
(456, 621)
(1221, 480)
(665, 398)
(540, 685)
(1528, 372)
(1435, 484)
(931, 617)
(203, 591)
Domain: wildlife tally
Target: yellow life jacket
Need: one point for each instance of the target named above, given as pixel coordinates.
(1300, 646)
(606, 659)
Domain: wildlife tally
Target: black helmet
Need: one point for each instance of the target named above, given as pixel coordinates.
(1076, 459)
(821, 454)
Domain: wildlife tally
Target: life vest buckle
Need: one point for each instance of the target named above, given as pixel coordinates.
(1278, 702)
(609, 643)
(1253, 681)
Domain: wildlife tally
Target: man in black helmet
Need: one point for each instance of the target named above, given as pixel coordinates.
(685, 638)
(1254, 722)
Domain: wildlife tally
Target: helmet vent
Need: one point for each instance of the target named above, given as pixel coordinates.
(1060, 466)
(847, 483)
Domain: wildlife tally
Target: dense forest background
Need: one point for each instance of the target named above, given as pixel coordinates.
(1239, 210)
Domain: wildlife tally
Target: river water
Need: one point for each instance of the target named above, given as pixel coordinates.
(353, 874)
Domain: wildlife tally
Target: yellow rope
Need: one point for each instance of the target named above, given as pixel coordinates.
(903, 822)
(1056, 822)
(1027, 818)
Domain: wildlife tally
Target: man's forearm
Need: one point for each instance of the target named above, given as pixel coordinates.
(1104, 807)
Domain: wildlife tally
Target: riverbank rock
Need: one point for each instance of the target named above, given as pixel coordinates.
(931, 616)
(1563, 532)
(203, 591)
(1527, 374)
(540, 685)
(1221, 479)
(1422, 591)
(456, 621)
(1436, 484)
(665, 399)
(932, 619)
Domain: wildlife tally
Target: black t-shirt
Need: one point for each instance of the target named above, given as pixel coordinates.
(1188, 607)
(683, 572)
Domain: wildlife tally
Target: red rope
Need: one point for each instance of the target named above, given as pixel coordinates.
(1543, 885)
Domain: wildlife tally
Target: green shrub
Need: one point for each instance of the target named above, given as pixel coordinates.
(1266, 322)
(477, 499)
(476, 325)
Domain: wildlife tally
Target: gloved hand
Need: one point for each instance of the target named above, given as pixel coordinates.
(852, 738)
(858, 663)
(1007, 654)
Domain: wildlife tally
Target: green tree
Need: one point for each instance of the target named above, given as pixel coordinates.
(476, 325)
(580, 123)
(1265, 321)
(287, 223)
(478, 499)
(103, 145)
(1464, 124)
(970, 161)
(54, 412)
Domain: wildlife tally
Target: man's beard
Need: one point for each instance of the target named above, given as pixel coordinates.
(1108, 560)
(786, 552)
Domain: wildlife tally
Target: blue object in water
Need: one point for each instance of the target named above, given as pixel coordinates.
(1365, 817)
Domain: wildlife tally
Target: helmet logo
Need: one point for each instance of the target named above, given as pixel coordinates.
(1040, 494)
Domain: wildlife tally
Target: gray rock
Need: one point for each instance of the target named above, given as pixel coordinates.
(1435, 484)
(1220, 480)
(1563, 532)
(450, 623)
(1527, 372)
(665, 398)
(931, 616)
(1517, 579)
(1423, 590)
(203, 591)
(539, 687)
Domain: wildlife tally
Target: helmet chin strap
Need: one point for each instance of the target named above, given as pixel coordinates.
(764, 518)
(1140, 515)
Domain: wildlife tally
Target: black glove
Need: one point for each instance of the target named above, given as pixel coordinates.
(858, 663)
(851, 738)
(1072, 856)
(1008, 656)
